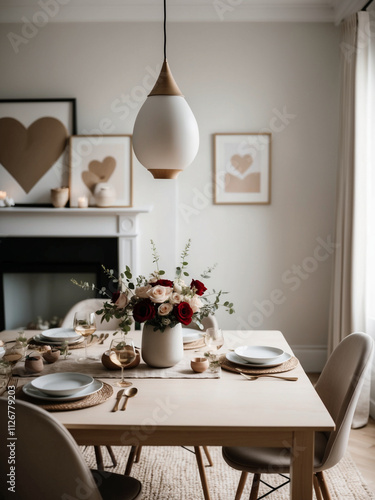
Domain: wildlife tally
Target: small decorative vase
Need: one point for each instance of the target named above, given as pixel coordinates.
(59, 197)
(162, 349)
(34, 364)
(104, 195)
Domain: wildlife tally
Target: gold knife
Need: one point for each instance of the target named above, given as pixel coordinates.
(118, 398)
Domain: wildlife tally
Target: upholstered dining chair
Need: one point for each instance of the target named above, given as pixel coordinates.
(339, 386)
(90, 305)
(48, 462)
(93, 305)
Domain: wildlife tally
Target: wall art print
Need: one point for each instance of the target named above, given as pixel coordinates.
(101, 161)
(242, 168)
(33, 147)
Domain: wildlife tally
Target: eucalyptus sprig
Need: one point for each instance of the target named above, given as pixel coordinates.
(184, 264)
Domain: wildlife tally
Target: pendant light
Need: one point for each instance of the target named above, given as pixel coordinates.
(165, 135)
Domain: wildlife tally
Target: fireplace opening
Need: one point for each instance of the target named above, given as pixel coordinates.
(35, 275)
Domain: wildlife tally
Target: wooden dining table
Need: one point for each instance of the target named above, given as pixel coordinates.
(226, 411)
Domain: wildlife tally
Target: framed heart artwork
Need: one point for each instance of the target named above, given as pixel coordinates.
(242, 168)
(101, 170)
(33, 147)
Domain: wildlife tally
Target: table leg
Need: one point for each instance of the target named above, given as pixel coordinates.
(301, 469)
(202, 473)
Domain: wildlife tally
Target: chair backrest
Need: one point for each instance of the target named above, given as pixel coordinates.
(339, 387)
(90, 305)
(207, 322)
(48, 461)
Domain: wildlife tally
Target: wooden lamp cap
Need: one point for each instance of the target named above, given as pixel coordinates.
(165, 84)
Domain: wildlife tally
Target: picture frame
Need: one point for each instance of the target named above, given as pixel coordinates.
(34, 136)
(101, 170)
(242, 168)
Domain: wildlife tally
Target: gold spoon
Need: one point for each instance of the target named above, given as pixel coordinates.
(129, 393)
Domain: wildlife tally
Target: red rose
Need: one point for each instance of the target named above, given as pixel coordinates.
(199, 287)
(183, 313)
(115, 296)
(143, 311)
(163, 283)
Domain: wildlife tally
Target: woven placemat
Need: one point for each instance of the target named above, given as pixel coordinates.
(93, 400)
(194, 345)
(284, 367)
(78, 345)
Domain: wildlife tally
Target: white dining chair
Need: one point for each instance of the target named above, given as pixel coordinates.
(48, 463)
(93, 305)
(339, 386)
(90, 305)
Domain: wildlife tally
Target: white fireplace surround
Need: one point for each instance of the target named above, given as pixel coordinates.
(121, 223)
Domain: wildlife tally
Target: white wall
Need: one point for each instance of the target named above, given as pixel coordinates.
(234, 76)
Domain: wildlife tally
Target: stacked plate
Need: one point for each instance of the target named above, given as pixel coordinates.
(260, 356)
(62, 387)
(191, 335)
(57, 336)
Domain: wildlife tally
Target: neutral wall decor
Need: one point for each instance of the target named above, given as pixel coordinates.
(166, 135)
(242, 168)
(101, 170)
(33, 139)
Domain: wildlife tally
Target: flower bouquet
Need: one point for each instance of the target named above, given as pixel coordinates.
(160, 302)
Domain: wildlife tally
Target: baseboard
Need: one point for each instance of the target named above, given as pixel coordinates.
(312, 357)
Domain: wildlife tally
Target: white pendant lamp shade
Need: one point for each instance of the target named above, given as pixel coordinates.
(165, 135)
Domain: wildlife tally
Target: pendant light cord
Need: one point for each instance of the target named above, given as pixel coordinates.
(165, 30)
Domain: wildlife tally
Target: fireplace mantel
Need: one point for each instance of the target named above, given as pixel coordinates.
(121, 223)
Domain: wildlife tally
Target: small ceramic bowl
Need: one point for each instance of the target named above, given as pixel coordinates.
(199, 365)
(34, 363)
(110, 364)
(51, 355)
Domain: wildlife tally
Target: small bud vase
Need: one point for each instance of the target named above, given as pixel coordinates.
(162, 349)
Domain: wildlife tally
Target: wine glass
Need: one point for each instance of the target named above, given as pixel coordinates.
(123, 354)
(84, 324)
(214, 338)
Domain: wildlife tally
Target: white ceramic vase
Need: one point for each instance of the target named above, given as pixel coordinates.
(162, 349)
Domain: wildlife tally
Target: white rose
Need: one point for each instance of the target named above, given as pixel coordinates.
(165, 309)
(159, 293)
(176, 298)
(122, 301)
(194, 302)
(141, 291)
(179, 285)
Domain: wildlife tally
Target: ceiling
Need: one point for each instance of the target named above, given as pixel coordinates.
(181, 10)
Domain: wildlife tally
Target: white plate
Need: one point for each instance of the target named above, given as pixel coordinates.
(2, 351)
(259, 353)
(34, 393)
(39, 338)
(191, 335)
(60, 334)
(231, 356)
(62, 384)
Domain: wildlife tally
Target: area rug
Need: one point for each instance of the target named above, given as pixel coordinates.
(171, 473)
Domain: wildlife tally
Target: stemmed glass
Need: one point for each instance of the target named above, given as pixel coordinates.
(214, 338)
(84, 324)
(123, 354)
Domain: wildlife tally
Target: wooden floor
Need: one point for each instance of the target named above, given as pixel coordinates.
(361, 447)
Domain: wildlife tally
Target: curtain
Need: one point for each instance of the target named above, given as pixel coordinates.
(352, 298)
(340, 317)
(363, 270)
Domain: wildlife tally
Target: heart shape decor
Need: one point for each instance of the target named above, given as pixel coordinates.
(98, 171)
(28, 153)
(242, 163)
